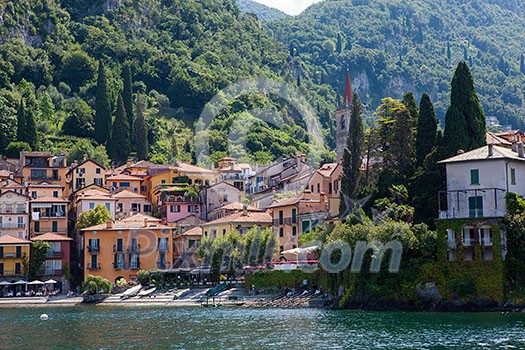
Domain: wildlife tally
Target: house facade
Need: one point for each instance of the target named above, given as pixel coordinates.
(13, 252)
(14, 214)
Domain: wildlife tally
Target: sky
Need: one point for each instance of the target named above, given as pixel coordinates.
(291, 7)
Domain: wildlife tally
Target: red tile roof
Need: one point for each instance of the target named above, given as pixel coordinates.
(51, 237)
(8, 239)
(49, 199)
(239, 217)
(123, 177)
(128, 194)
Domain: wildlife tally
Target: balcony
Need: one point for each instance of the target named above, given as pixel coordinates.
(93, 250)
(12, 226)
(472, 203)
(127, 266)
(162, 265)
(117, 249)
(93, 268)
(133, 250)
(163, 249)
(13, 256)
(55, 254)
(119, 266)
(10, 273)
(52, 215)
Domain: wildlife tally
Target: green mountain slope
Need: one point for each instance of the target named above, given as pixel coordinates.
(396, 46)
(181, 53)
(264, 13)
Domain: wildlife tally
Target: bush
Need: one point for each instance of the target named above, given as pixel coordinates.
(96, 284)
(463, 286)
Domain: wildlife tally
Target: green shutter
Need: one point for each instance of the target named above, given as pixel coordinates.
(474, 176)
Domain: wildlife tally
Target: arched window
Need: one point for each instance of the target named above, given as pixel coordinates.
(343, 122)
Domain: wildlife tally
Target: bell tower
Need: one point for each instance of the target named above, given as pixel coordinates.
(342, 115)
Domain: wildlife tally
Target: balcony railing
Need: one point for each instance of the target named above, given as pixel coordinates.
(11, 211)
(55, 254)
(133, 250)
(13, 256)
(9, 273)
(93, 249)
(51, 215)
(472, 203)
(93, 268)
(127, 266)
(163, 248)
(162, 265)
(12, 226)
(117, 249)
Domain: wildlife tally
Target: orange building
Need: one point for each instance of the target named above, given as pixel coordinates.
(43, 166)
(84, 174)
(123, 182)
(120, 249)
(48, 214)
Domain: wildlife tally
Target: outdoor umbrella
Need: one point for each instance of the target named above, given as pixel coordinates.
(21, 282)
(5, 283)
(50, 282)
(35, 282)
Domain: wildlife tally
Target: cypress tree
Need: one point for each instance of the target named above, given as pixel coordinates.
(465, 118)
(21, 122)
(352, 155)
(141, 132)
(522, 64)
(127, 96)
(410, 102)
(426, 129)
(30, 129)
(120, 145)
(449, 53)
(102, 107)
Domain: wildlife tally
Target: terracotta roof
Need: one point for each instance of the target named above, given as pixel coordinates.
(495, 139)
(49, 199)
(74, 166)
(36, 154)
(238, 217)
(123, 177)
(136, 222)
(196, 231)
(141, 217)
(51, 237)
(94, 192)
(5, 173)
(146, 164)
(285, 202)
(181, 166)
(327, 169)
(238, 206)
(236, 167)
(482, 153)
(8, 239)
(13, 192)
(128, 194)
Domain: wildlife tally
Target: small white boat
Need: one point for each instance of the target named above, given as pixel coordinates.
(147, 292)
(131, 292)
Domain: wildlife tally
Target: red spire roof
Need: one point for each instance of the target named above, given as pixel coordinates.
(348, 95)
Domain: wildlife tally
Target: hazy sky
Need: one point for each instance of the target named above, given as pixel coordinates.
(291, 7)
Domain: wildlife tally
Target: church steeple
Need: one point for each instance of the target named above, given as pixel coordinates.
(342, 115)
(348, 95)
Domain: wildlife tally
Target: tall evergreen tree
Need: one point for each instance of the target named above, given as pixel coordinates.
(30, 129)
(127, 96)
(102, 107)
(141, 132)
(120, 145)
(410, 102)
(21, 122)
(464, 105)
(426, 129)
(352, 155)
(522, 64)
(397, 144)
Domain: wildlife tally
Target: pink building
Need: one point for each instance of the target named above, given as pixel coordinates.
(174, 203)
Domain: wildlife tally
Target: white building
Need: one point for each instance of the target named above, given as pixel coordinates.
(478, 180)
(14, 214)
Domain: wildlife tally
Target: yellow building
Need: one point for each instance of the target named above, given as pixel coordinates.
(120, 249)
(13, 251)
(241, 222)
(48, 214)
(84, 174)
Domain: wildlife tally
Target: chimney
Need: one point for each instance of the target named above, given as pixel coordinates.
(146, 222)
(514, 147)
(85, 157)
(244, 210)
(521, 152)
(109, 224)
(491, 149)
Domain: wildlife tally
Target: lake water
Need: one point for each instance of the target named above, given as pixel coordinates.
(239, 328)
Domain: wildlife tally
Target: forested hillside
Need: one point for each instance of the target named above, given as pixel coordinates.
(395, 46)
(180, 53)
(264, 13)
